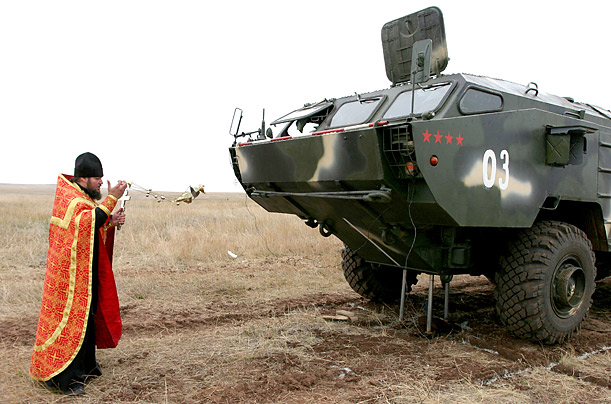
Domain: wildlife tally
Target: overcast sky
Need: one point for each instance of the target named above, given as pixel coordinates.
(150, 86)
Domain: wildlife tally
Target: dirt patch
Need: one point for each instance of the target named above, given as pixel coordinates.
(375, 344)
(18, 331)
(571, 371)
(298, 357)
(219, 313)
(270, 377)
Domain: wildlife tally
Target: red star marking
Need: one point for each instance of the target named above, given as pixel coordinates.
(427, 136)
(449, 138)
(459, 139)
(438, 137)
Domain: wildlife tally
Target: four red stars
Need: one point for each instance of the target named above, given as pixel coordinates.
(438, 136)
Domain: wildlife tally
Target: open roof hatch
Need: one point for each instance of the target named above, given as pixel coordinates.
(400, 35)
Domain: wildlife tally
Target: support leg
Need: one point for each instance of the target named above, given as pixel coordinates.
(429, 308)
(402, 307)
(446, 300)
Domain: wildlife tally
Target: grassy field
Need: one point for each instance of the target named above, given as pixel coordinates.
(201, 326)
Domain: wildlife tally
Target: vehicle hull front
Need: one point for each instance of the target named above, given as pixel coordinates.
(340, 182)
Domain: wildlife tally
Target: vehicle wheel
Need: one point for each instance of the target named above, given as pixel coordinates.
(374, 282)
(545, 283)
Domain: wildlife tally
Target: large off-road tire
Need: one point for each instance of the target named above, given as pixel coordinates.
(545, 283)
(374, 282)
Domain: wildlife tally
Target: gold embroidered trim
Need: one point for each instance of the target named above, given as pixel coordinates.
(105, 209)
(65, 221)
(72, 285)
(75, 186)
(80, 344)
(108, 204)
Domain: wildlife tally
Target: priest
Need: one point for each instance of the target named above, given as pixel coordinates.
(80, 306)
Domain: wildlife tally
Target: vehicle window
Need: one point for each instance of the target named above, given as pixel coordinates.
(355, 112)
(320, 108)
(425, 99)
(476, 101)
(291, 129)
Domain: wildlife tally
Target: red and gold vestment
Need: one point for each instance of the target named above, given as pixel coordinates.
(67, 293)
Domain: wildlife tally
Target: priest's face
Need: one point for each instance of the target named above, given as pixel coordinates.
(93, 185)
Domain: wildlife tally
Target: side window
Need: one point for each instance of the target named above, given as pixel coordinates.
(476, 101)
(355, 112)
(425, 99)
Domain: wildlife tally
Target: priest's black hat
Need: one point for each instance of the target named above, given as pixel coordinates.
(88, 165)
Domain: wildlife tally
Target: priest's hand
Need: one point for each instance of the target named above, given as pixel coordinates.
(117, 190)
(117, 218)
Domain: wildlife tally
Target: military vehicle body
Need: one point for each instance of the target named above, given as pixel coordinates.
(445, 175)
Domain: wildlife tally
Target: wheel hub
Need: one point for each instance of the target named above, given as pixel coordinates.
(569, 289)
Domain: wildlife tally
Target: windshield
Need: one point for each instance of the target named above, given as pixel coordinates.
(355, 112)
(304, 112)
(425, 99)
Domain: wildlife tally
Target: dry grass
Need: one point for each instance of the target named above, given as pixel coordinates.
(190, 235)
(201, 326)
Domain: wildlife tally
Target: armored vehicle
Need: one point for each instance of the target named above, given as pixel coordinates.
(445, 175)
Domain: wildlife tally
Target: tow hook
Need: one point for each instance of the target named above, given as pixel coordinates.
(324, 230)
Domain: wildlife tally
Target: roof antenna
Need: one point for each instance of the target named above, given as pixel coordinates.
(262, 133)
(421, 64)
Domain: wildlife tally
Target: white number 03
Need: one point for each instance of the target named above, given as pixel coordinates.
(489, 169)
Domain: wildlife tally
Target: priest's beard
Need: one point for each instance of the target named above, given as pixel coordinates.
(91, 190)
(94, 194)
